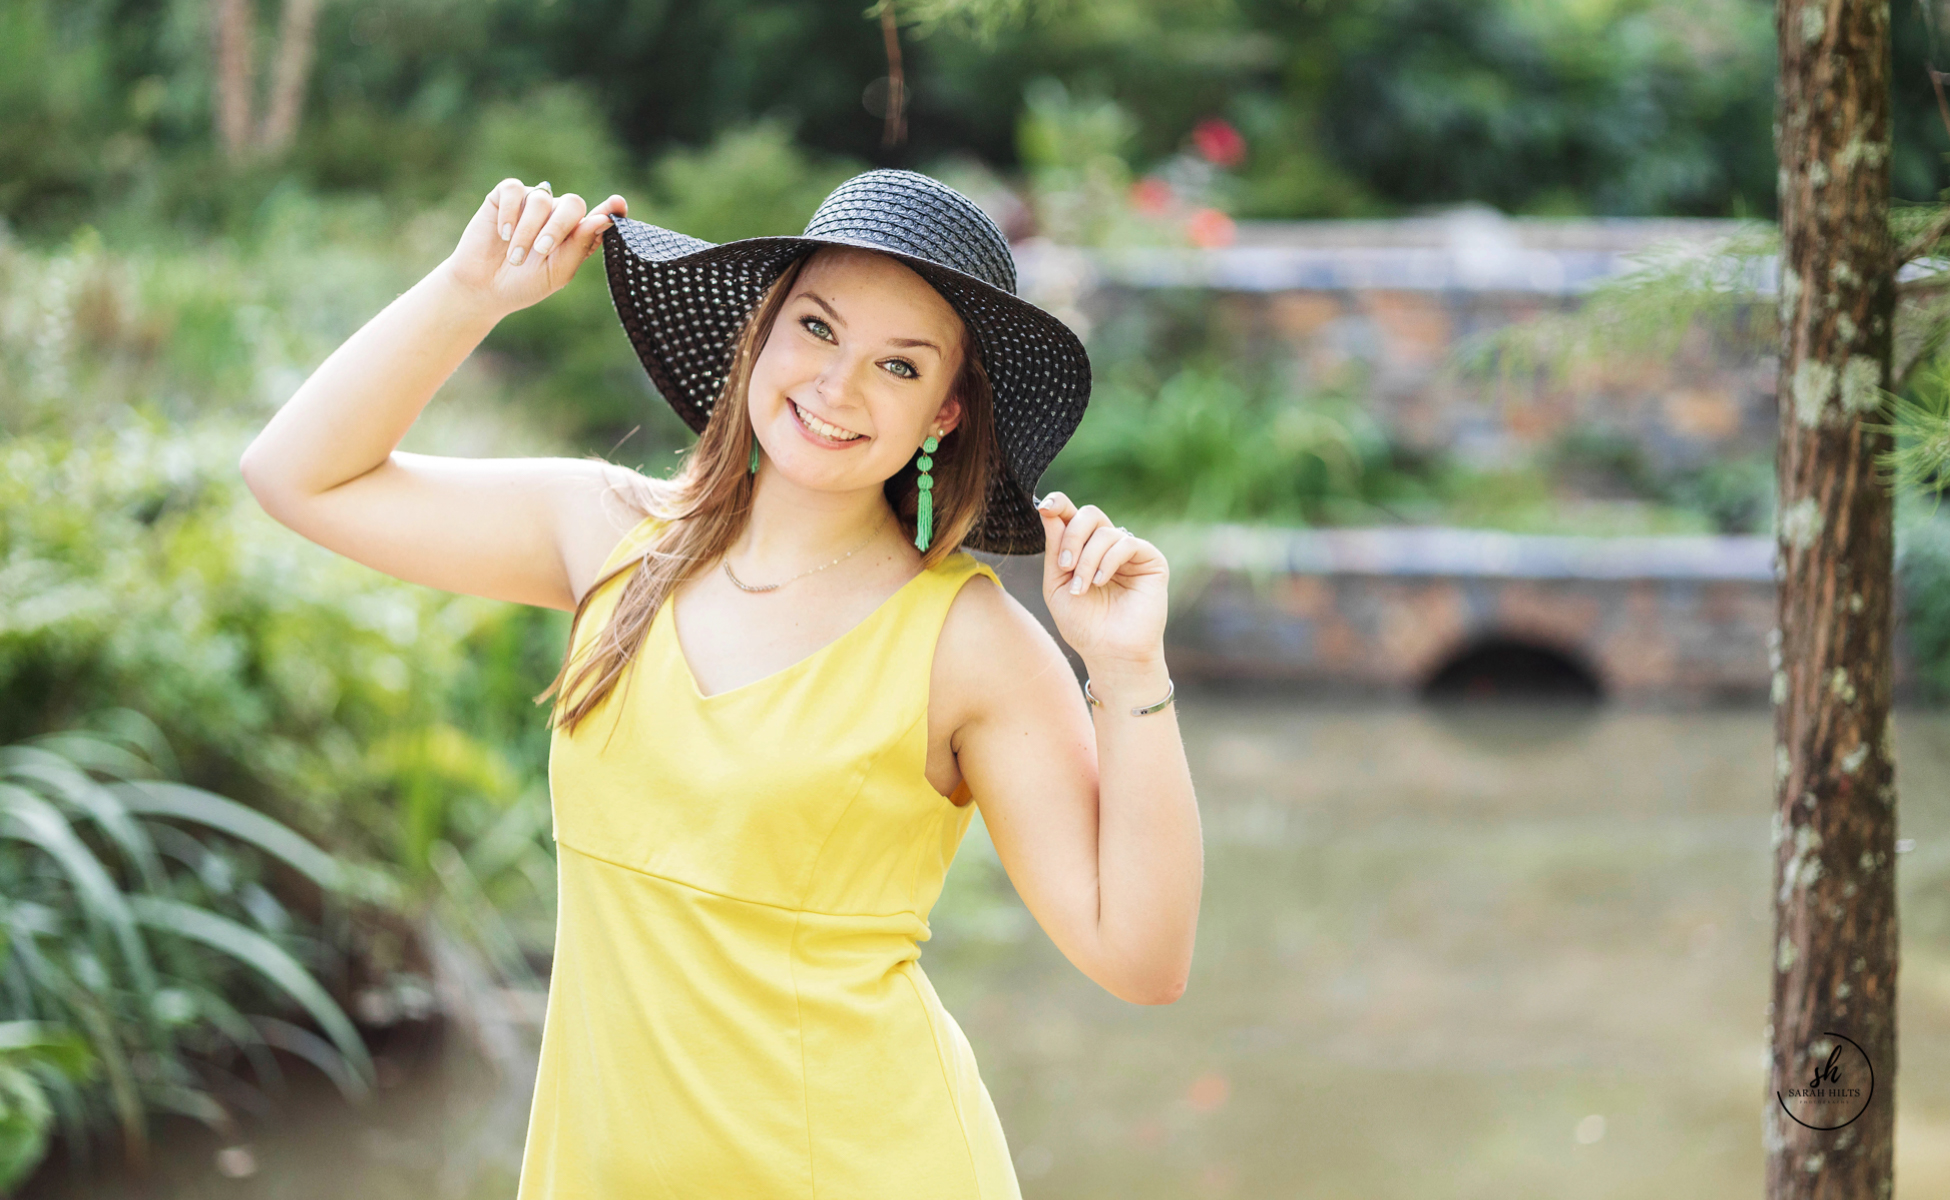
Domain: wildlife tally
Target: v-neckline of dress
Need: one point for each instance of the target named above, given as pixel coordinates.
(690, 676)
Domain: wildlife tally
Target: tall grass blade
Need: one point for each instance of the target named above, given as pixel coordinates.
(59, 777)
(313, 1049)
(26, 817)
(268, 959)
(180, 801)
(91, 751)
(53, 1045)
(242, 1034)
(138, 730)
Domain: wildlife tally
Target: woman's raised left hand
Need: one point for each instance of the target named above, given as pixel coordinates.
(523, 244)
(1108, 596)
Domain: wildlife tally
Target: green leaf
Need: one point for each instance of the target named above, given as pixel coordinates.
(196, 1104)
(180, 801)
(138, 730)
(268, 959)
(26, 817)
(312, 1048)
(54, 1046)
(244, 1035)
(94, 752)
(24, 1119)
(61, 778)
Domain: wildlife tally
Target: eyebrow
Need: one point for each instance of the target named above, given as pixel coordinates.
(832, 312)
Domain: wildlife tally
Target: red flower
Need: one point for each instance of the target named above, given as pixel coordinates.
(1219, 143)
(1208, 227)
(1151, 196)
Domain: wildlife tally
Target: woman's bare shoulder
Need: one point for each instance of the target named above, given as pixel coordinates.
(991, 648)
(617, 502)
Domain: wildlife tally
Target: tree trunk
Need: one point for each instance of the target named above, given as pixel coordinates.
(236, 32)
(297, 40)
(1836, 949)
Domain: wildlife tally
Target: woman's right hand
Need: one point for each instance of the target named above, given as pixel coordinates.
(523, 244)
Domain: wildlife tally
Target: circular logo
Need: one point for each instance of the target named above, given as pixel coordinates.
(1838, 1085)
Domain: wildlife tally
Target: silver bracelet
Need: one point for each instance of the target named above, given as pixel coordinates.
(1170, 689)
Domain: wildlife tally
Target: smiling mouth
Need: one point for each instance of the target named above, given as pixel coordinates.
(823, 429)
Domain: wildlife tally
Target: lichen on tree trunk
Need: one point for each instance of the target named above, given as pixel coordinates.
(1835, 921)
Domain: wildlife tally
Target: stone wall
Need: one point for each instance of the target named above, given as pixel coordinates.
(1649, 619)
(1381, 306)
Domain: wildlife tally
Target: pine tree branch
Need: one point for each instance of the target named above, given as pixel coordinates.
(1923, 243)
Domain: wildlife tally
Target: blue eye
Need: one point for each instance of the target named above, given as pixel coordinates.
(906, 369)
(817, 328)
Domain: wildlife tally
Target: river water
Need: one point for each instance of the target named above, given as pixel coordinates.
(1450, 954)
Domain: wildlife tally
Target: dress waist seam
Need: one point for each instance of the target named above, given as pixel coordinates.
(786, 908)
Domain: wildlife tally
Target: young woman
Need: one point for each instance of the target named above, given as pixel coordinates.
(780, 703)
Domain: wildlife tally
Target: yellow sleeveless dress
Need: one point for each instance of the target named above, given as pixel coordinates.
(736, 1008)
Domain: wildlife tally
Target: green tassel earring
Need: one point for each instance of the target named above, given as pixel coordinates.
(924, 510)
(754, 469)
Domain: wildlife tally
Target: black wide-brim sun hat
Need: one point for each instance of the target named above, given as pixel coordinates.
(683, 300)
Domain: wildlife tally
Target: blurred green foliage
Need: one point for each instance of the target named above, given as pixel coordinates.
(1923, 576)
(33, 1056)
(392, 724)
(753, 180)
(144, 952)
(1725, 287)
(1348, 106)
(1201, 445)
(140, 572)
(157, 302)
(1074, 148)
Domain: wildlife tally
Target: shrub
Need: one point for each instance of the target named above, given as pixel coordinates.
(139, 572)
(31, 1052)
(139, 932)
(1204, 446)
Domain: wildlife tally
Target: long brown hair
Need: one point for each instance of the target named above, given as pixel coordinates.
(706, 504)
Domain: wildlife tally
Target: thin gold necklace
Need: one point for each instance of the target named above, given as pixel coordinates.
(773, 587)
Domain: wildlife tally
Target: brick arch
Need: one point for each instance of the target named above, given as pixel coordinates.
(1501, 663)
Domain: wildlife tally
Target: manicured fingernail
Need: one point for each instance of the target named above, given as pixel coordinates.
(516, 255)
(1101, 576)
(507, 231)
(1076, 586)
(1063, 559)
(542, 244)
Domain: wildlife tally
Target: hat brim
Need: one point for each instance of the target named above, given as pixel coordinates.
(683, 300)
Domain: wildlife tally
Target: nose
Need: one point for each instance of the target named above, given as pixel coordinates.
(838, 382)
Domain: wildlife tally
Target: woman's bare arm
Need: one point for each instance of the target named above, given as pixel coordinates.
(1091, 809)
(530, 530)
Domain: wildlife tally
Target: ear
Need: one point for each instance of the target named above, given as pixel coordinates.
(948, 415)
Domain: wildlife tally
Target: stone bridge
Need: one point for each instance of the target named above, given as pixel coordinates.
(1671, 620)
(1668, 619)
(1452, 612)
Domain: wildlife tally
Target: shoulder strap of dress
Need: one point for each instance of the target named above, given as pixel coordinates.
(949, 577)
(908, 654)
(960, 567)
(630, 543)
(925, 602)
